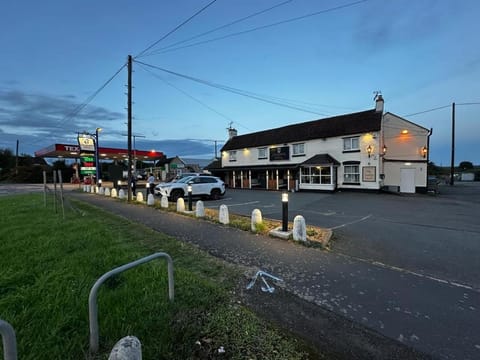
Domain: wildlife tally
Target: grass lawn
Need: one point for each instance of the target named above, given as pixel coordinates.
(48, 265)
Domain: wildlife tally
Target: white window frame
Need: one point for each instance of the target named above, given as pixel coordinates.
(262, 153)
(313, 175)
(298, 149)
(348, 143)
(351, 176)
(232, 155)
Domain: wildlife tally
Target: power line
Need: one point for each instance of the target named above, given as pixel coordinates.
(185, 93)
(175, 29)
(429, 110)
(262, 27)
(221, 27)
(244, 93)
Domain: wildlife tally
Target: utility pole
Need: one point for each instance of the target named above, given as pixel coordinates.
(452, 163)
(16, 160)
(129, 112)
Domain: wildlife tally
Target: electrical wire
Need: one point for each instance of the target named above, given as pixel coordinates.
(244, 93)
(262, 27)
(185, 93)
(220, 27)
(81, 106)
(175, 29)
(427, 111)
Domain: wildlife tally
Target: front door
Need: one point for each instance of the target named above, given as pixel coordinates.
(407, 180)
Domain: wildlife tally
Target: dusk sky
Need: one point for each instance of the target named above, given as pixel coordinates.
(316, 58)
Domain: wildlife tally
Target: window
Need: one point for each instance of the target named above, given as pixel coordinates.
(351, 174)
(298, 149)
(316, 175)
(262, 153)
(232, 155)
(351, 144)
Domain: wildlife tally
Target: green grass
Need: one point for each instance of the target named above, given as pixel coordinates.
(49, 265)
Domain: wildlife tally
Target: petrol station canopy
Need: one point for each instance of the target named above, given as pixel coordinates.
(105, 153)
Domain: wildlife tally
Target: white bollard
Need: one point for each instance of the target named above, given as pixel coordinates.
(223, 215)
(128, 348)
(121, 194)
(180, 205)
(199, 209)
(101, 190)
(150, 200)
(256, 219)
(107, 191)
(84, 188)
(299, 228)
(113, 193)
(92, 189)
(164, 202)
(139, 196)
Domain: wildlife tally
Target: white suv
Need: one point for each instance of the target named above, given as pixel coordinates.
(202, 186)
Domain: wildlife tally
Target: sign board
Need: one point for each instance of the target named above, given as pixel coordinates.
(86, 142)
(87, 165)
(369, 174)
(280, 153)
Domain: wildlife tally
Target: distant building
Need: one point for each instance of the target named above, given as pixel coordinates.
(368, 150)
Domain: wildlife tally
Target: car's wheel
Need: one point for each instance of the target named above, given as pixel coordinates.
(176, 194)
(215, 194)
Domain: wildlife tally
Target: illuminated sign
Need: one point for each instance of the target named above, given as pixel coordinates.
(86, 142)
(87, 165)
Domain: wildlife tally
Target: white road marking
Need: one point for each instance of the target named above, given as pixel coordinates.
(351, 222)
(241, 204)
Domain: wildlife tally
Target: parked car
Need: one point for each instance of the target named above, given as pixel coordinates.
(184, 175)
(202, 186)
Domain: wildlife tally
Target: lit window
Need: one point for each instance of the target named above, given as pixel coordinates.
(298, 149)
(351, 174)
(316, 175)
(351, 144)
(232, 155)
(262, 153)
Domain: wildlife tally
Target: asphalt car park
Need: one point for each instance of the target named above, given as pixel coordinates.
(436, 236)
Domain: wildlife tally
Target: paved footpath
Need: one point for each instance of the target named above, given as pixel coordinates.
(437, 318)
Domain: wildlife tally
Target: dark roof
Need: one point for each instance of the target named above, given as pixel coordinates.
(321, 159)
(342, 125)
(215, 164)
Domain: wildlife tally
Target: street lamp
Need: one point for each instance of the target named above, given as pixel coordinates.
(97, 160)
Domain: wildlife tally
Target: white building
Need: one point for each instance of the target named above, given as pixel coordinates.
(368, 150)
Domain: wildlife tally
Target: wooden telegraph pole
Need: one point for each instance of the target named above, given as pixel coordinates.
(452, 162)
(129, 134)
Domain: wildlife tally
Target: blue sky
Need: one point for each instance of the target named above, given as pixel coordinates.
(56, 54)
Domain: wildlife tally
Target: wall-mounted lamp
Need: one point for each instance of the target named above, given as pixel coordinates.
(369, 150)
(404, 132)
(424, 151)
(384, 149)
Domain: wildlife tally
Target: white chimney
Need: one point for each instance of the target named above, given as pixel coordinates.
(232, 132)
(379, 103)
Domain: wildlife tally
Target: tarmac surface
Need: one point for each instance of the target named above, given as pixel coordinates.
(384, 308)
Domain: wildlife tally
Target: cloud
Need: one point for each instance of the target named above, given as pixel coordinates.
(41, 114)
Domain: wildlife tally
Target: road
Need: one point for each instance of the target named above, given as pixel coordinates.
(405, 266)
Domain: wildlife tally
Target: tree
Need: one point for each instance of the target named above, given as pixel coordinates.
(465, 165)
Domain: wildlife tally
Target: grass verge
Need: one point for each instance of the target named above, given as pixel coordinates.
(49, 265)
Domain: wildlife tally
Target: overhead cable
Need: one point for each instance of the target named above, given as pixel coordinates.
(262, 27)
(244, 93)
(220, 27)
(175, 29)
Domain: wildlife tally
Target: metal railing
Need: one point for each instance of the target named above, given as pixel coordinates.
(92, 299)
(8, 340)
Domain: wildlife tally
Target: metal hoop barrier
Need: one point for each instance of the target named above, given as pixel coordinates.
(92, 299)
(8, 340)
